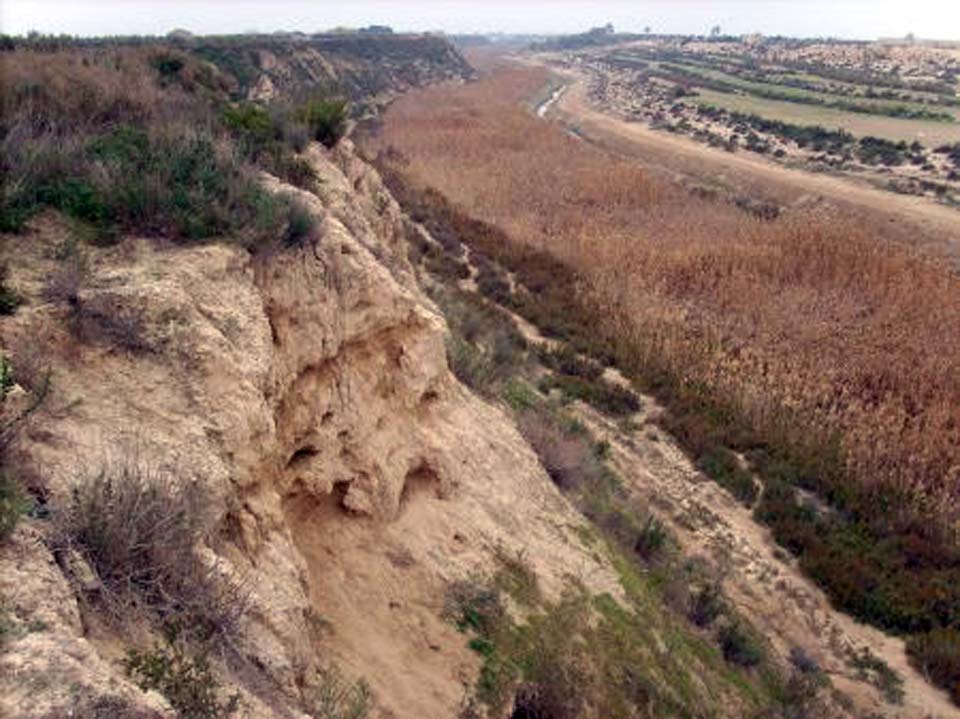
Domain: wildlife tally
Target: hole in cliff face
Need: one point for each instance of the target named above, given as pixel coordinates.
(420, 482)
(327, 418)
(274, 337)
(317, 508)
(429, 397)
(301, 456)
(339, 495)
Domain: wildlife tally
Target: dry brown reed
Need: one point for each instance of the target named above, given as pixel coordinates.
(815, 315)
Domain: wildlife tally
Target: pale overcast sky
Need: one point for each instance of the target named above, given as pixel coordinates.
(806, 18)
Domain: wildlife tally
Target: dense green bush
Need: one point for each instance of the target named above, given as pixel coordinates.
(876, 150)
(301, 224)
(707, 604)
(326, 119)
(739, 646)
(600, 394)
(723, 466)
(651, 539)
(183, 677)
(167, 64)
(484, 348)
(565, 361)
(9, 300)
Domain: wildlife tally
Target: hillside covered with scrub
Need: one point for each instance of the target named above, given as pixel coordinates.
(295, 430)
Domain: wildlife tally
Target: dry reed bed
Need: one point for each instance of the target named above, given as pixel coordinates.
(820, 316)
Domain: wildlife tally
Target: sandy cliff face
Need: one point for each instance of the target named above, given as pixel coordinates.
(308, 390)
(365, 68)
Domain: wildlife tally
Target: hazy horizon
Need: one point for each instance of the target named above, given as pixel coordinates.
(854, 19)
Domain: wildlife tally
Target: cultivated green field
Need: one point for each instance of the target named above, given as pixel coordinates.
(802, 94)
(928, 132)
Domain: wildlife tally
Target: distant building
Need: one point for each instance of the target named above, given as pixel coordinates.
(179, 34)
(376, 30)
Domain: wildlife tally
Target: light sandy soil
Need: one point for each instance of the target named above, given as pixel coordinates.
(902, 217)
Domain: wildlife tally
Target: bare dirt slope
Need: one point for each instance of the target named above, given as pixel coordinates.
(911, 218)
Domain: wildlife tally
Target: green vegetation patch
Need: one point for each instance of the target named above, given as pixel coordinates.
(145, 142)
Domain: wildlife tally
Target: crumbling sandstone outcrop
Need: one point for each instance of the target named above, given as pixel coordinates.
(308, 390)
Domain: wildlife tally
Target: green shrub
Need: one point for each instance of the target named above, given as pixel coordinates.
(565, 361)
(251, 124)
(604, 396)
(475, 604)
(469, 364)
(706, 605)
(301, 225)
(652, 539)
(739, 646)
(723, 466)
(801, 697)
(7, 381)
(295, 170)
(167, 65)
(13, 505)
(326, 119)
(871, 667)
(183, 677)
(484, 349)
(937, 655)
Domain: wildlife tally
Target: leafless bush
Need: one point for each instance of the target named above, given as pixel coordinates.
(475, 603)
(107, 707)
(567, 457)
(27, 369)
(334, 696)
(66, 282)
(117, 321)
(138, 528)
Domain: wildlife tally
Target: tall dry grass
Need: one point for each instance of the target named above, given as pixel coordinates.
(817, 315)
